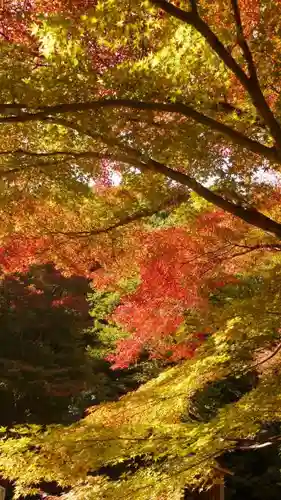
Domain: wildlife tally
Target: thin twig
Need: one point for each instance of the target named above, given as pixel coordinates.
(127, 220)
(253, 249)
(278, 348)
(24, 168)
(270, 246)
(255, 444)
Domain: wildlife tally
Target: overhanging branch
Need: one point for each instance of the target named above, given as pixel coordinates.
(180, 198)
(193, 19)
(17, 170)
(250, 84)
(135, 158)
(48, 114)
(268, 358)
(122, 158)
(270, 247)
(250, 216)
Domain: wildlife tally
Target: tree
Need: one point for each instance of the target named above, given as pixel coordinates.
(196, 111)
(60, 135)
(119, 123)
(52, 364)
(169, 433)
(43, 362)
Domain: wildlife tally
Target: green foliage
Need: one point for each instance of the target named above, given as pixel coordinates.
(55, 40)
(190, 112)
(106, 332)
(194, 412)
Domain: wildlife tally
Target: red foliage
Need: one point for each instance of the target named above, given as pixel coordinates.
(71, 257)
(19, 253)
(220, 15)
(178, 268)
(74, 302)
(17, 15)
(177, 271)
(34, 294)
(250, 15)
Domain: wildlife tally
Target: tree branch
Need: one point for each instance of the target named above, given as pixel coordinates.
(249, 84)
(193, 4)
(269, 247)
(5, 36)
(253, 444)
(46, 114)
(259, 363)
(16, 170)
(122, 158)
(40, 154)
(243, 42)
(134, 155)
(226, 108)
(193, 19)
(124, 222)
(135, 158)
(10, 107)
(250, 216)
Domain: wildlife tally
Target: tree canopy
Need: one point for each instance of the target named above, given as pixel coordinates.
(141, 146)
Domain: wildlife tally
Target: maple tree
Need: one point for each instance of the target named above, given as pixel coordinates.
(54, 335)
(187, 101)
(181, 439)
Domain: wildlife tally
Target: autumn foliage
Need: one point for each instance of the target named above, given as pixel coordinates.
(140, 150)
(183, 265)
(177, 265)
(18, 15)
